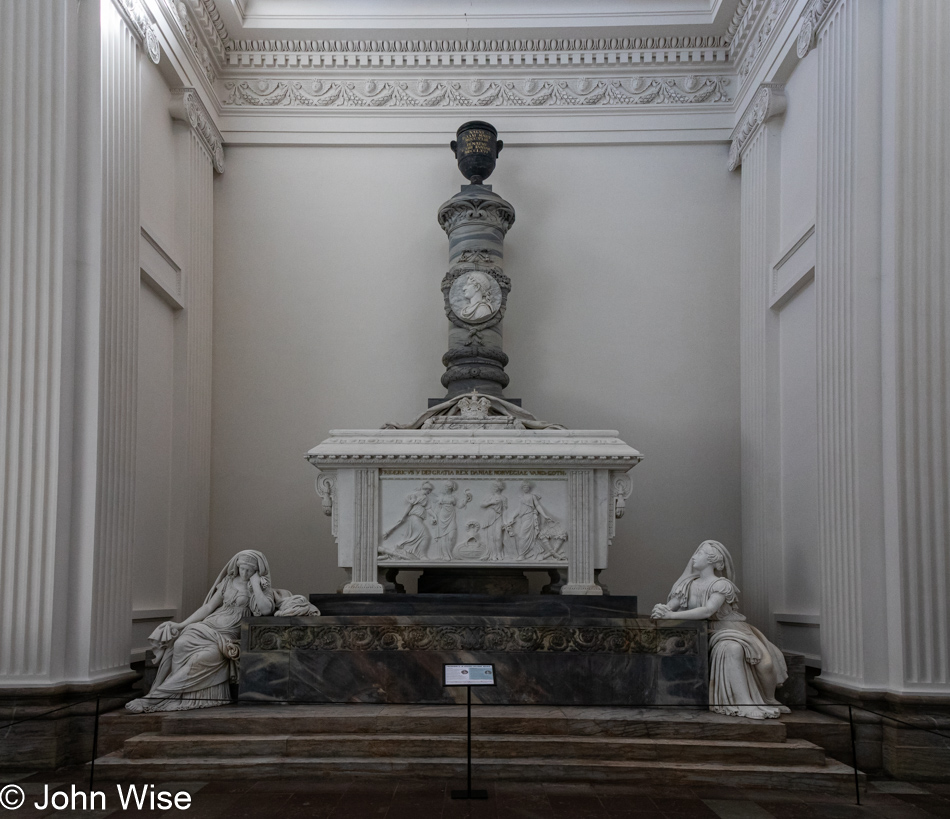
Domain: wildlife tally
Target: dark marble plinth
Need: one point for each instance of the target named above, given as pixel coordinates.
(493, 582)
(562, 660)
(561, 608)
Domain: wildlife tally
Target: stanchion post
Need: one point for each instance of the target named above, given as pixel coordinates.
(854, 757)
(95, 748)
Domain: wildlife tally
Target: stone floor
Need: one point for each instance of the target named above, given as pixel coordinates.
(354, 798)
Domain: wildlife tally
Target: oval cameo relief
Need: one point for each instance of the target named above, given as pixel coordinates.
(475, 297)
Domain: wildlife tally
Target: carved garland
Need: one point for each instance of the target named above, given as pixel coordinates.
(559, 639)
(187, 106)
(531, 93)
(140, 23)
(812, 18)
(768, 102)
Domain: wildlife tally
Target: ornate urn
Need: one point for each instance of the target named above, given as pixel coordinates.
(476, 147)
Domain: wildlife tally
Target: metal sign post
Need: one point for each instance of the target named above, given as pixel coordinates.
(468, 675)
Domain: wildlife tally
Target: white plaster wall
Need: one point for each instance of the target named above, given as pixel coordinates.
(623, 315)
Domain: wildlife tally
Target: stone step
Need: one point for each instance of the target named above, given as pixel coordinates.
(830, 777)
(390, 746)
(655, 723)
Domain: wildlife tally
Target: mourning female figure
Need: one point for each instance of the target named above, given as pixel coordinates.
(744, 667)
(197, 658)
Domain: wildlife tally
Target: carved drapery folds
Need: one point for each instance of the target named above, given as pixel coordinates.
(187, 106)
(768, 102)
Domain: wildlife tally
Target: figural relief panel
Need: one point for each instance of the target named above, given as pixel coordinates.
(468, 516)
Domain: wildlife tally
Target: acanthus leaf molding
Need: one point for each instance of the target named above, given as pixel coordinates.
(484, 93)
(187, 106)
(769, 101)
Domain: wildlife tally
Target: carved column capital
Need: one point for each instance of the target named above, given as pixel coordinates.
(141, 24)
(187, 106)
(811, 19)
(768, 102)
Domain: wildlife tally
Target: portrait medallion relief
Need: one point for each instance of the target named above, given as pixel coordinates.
(475, 297)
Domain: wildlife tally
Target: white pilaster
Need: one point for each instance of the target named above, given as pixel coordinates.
(917, 325)
(199, 156)
(36, 264)
(755, 146)
(366, 528)
(580, 549)
(847, 279)
(118, 334)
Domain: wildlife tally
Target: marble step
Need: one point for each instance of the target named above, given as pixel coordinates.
(829, 777)
(439, 720)
(391, 746)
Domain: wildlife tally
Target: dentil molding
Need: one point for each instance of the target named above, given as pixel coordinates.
(812, 17)
(187, 106)
(769, 101)
(141, 24)
(481, 92)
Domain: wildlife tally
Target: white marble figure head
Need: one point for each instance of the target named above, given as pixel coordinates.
(427, 487)
(709, 553)
(450, 486)
(498, 486)
(527, 486)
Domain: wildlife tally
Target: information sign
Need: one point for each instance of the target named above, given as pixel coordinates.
(468, 674)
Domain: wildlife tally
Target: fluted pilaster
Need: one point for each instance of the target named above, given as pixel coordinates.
(850, 521)
(366, 523)
(118, 329)
(198, 304)
(34, 263)
(755, 146)
(922, 337)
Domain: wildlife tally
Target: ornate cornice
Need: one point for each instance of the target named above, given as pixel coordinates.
(664, 48)
(769, 12)
(812, 17)
(768, 102)
(141, 25)
(180, 12)
(186, 106)
(482, 92)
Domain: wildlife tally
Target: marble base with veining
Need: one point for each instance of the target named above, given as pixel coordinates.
(399, 659)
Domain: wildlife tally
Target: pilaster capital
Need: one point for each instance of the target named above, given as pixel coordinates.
(812, 16)
(187, 106)
(142, 26)
(768, 102)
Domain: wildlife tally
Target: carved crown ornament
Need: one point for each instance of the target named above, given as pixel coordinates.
(769, 101)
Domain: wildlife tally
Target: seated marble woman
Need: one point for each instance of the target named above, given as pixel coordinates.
(197, 658)
(744, 667)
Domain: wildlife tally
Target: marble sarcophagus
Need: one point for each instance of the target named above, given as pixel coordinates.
(488, 498)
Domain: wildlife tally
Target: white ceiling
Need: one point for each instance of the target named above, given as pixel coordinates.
(479, 19)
